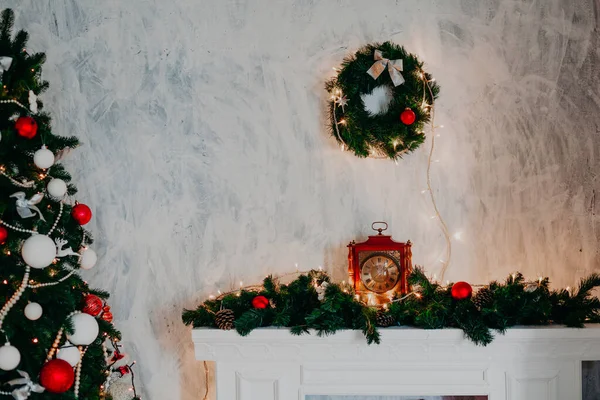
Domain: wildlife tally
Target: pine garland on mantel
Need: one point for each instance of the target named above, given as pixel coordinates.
(312, 301)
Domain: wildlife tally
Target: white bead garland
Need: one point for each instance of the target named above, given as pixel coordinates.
(15, 297)
(78, 372)
(39, 285)
(57, 219)
(14, 102)
(55, 345)
(24, 184)
(15, 228)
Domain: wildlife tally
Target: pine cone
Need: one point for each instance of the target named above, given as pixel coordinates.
(224, 319)
(484, 298)
(384, 319)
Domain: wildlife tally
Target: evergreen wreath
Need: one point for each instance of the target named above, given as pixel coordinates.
(396, 130)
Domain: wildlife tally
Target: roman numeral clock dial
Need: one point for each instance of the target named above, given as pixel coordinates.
(380, 272)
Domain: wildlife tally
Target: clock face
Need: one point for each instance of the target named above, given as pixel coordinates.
(379, 272)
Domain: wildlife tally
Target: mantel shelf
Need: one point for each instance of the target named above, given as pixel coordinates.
(396, 343)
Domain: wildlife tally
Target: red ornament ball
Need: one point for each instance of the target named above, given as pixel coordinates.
(57, 376)
(26, 127)
(81, 213)
(260, 302)
(461, 291)
(3, 235)
(107, 316)
(93, 305)
(408, 116)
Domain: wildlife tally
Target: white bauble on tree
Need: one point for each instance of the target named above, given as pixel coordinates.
(9, 357)
(38, 251)
(43, 158)
(69, 353)
(85, 329)
(57, 188)
(88, 258)
(33, 311)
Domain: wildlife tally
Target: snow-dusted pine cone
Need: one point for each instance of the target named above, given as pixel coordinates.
(225, 319)
(483, 298)
(384, 319)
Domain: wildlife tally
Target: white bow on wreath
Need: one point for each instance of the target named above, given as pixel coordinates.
(393, 66)
(23, 392)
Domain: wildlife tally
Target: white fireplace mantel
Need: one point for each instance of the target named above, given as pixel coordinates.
(524, 364)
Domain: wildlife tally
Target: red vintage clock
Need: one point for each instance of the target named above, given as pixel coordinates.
(379, 268)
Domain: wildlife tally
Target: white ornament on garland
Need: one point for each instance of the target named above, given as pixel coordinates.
(57, 188)
(43, 158)
(88, 258)
(10, 357)
(25, 206)
(33, 107)
(321, 289)
(70, 353)
(61, 251)
(38, 251)
(33, 311)
(85, 329)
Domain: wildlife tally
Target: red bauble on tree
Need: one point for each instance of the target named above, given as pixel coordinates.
(57, 376)
(408, 116)
(260, 302)
(3, 235)
(26, 127)
(81, 213)
(93, 305)
(461, 291)
(107, 315)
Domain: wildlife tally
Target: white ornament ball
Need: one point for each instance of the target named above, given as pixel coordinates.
(43, 158)
(9, 357)
(33, 311)
(85, 329)
(69, 353)
(38, 251)
(57, 188)
(88, 258)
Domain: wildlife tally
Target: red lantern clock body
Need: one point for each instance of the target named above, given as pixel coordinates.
(378, 269)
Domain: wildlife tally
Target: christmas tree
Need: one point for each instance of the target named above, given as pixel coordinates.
(57, 340)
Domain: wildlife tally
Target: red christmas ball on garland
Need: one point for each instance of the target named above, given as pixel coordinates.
(81, 213)
(107, 315)
(260, 302)
(461, 291)
(93, 305)
(57, 376)
(3, 234)
(408, 117)
(26, 127)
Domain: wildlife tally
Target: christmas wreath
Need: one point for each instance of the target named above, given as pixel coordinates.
(397, 128)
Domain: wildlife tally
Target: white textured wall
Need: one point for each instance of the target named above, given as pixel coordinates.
(206, 160)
